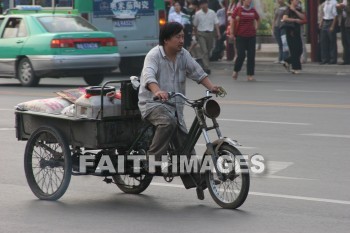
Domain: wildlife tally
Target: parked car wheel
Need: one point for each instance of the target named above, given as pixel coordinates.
(93, 80)
(26, 74)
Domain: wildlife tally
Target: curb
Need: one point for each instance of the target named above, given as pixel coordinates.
(267, 65)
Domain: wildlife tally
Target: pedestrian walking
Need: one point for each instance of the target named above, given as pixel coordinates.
(244, 24)
(206, 26)
(280, 33)
(218, 51)
(292, 19)
(329, 51)
(345, 30)
(231, 50)
(182, 18)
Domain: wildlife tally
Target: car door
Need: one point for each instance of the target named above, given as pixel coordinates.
(13, 37)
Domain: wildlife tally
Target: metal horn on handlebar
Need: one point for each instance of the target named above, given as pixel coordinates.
(211, 108)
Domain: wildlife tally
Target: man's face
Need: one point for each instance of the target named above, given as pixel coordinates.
(177, 7)
(204, 6)
(176, 42)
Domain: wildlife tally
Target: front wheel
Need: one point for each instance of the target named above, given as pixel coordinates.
(133, 184)
(26, 74)
(47, 163)
(93, 80)
(231, 191)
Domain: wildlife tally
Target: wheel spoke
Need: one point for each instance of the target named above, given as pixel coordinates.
(228, 190)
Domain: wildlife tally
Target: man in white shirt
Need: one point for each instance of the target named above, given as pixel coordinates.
(345, 32)
(329, 51)
(206, 24)
(178, 16)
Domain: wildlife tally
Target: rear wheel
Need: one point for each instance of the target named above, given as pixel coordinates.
(26, 74)
(47, 164)
(133, 184)
(93, 80)
(231, 191)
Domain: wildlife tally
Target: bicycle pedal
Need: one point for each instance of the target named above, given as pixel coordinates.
(108, 180)
(200, 193)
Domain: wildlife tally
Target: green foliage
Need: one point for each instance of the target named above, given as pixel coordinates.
(265, 27)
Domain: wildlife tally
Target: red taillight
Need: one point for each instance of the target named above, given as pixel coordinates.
(162, 17)
(62, 43)
(108, 42)
(70, 43)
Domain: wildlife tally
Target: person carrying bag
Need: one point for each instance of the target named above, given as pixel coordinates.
(294, 17)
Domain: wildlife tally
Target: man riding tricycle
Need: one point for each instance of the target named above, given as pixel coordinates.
(148, 139)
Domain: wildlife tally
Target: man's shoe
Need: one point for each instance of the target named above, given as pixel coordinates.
(323, 63)
(286, 65)
(344, 63)
(295, 71)
(200, 193)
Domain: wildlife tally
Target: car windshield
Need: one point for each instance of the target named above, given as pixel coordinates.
(59, 23)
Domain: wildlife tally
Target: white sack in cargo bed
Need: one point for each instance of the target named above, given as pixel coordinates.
(52, 105)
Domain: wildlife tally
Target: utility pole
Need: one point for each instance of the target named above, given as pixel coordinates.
(313, 28)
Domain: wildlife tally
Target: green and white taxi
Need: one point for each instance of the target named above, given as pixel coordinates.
(35, 44)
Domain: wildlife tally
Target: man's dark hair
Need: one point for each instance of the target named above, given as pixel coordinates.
(203, 2)
(195, 3)
(169, 30)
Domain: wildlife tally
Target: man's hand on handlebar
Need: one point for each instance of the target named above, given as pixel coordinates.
(218, 90)
(161, 95)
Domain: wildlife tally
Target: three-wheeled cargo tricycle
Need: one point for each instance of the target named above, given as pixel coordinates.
(56, 144)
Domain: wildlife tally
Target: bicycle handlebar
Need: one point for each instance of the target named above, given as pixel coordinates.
(221, 92)
(174, 94)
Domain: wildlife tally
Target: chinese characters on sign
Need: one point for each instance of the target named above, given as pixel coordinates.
(107, 8)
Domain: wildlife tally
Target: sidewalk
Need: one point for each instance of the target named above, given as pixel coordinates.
(267, 55)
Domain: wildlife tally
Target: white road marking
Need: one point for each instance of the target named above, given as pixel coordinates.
(326, 135)
(7, 129)
(310, 91)
(302, 198)
(264, 122)
(280, 177)
(276, 166)
(333, 201)
(238, 147)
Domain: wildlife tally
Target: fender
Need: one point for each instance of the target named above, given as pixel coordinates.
(218, 143)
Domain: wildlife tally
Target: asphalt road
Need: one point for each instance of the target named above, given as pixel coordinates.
(300, 124)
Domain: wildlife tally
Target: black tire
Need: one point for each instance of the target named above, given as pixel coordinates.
(93, 80)
(131, 184)
(26, 74)
(235, 187)
(131, 66)
(47, 163)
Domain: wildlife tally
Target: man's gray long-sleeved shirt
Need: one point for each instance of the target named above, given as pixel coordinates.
(171, 77)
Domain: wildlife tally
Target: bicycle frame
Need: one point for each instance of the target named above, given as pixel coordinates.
(199, 126)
